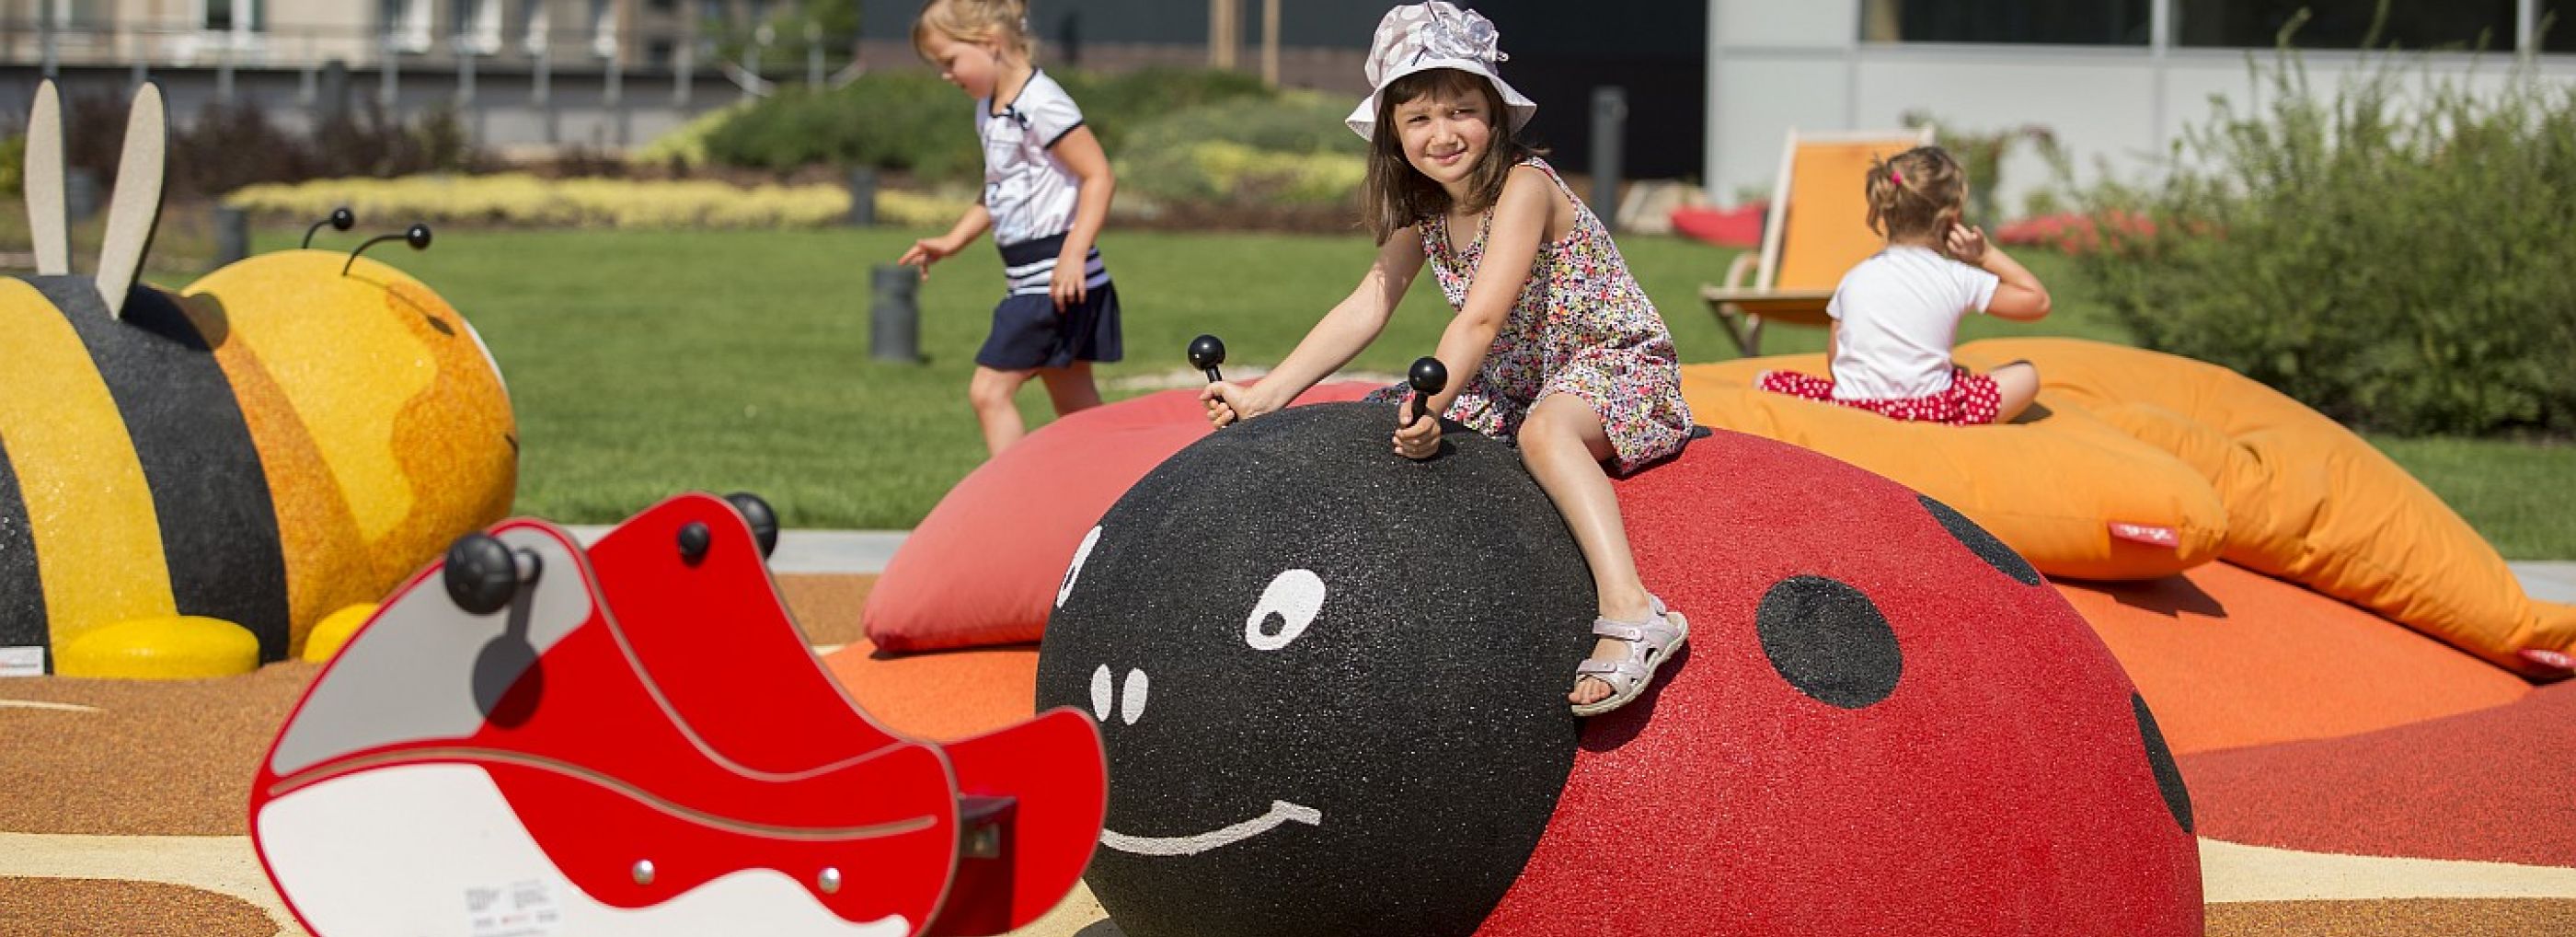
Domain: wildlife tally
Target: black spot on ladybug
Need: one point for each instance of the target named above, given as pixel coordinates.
(1829, 640)
(2161, 760)
(1981, 543)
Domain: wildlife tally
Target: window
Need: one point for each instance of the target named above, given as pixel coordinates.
(2053, 22)
(2346, 24)
(2557, 25)
(534, 27)
(482, 27)
(603, 28)
(222, 16)
(407, 25)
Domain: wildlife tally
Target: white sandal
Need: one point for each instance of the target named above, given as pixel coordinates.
(1649, 644)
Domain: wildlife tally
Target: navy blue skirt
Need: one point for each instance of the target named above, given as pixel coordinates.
(1029, 332)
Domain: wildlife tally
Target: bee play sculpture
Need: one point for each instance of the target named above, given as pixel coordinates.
(189, 482)
(1332, 683)
(533, 737)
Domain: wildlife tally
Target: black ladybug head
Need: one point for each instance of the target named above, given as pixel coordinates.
(1331, 680)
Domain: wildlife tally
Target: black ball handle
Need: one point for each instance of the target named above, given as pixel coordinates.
(1428, 377)
(483, 574)
(1206, 352)
(763, 520)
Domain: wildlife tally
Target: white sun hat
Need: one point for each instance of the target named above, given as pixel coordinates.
(1431, 35)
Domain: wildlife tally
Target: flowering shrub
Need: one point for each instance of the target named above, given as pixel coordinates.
(522, 199)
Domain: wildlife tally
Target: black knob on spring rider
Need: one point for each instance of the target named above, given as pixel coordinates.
(763, 521)
(1428, 377)
(482, 576)
(1206, 352)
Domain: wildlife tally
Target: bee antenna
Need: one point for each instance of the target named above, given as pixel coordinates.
(341, 219)
(417, 236)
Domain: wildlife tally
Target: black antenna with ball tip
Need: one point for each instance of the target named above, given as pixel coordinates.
(417, 236)
(341, 219)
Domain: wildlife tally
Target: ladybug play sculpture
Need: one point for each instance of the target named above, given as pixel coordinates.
(1332, 687)
(635, 739)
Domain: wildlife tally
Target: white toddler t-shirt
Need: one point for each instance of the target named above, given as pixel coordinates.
(1900, 312)
(1030, 193)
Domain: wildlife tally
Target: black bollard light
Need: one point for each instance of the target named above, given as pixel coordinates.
(863, 196)
(232, 234)
(1609, 126)
(894, 314)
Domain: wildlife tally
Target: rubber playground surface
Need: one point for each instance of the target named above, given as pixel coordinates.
(2348, 776)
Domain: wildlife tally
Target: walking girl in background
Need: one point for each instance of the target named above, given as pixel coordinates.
(1897, 313)
(1563, 351)
(1046, 195)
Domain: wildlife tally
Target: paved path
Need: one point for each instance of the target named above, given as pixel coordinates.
(866, 551)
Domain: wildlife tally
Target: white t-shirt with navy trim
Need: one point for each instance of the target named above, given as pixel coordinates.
(1030, 192)
(1900, 312)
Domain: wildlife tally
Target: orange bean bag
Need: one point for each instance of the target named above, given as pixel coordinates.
(2076, 496)
(2234, 468)
(2307, 500)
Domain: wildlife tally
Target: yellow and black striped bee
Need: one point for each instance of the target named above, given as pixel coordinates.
(294, 433)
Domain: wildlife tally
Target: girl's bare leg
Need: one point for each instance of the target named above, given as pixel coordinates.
(1071, 387)
(1564, 445)
(2019, 383)
(992, 392)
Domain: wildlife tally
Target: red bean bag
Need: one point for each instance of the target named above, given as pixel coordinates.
(1740, 226)
(982, 569)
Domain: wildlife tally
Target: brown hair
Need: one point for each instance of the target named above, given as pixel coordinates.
(1394, 194)
(1916, 194)
(1002, 21)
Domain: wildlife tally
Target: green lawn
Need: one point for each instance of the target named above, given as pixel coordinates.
(646, 363)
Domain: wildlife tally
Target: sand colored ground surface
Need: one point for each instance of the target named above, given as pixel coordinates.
(2324, 738)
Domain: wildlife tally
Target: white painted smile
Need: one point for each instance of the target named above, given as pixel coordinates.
(1280, 812)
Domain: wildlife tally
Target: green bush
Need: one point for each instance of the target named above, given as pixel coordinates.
(2400, 254)
(910, 120)
(1291, 152)
(1115, 105)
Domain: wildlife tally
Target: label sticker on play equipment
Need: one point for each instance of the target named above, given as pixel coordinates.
(2146, 534)
(22, 661)
(519, 909)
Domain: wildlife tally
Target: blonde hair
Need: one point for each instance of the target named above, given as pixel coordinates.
(1001, 21)
(1916, 194)
(1393, 194)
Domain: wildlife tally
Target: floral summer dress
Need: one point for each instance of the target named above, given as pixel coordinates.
(1582, 326)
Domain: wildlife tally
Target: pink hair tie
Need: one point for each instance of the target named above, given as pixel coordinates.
(1895, 177)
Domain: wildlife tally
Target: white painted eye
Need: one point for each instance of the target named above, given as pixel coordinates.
(1294, 596)
(1131, 704)
(1100, 693)
(1081, 553)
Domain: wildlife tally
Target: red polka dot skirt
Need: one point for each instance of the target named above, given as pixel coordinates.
(1970, 400)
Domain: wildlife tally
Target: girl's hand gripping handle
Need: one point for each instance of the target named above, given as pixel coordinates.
(1415, 436)
(1221, 398)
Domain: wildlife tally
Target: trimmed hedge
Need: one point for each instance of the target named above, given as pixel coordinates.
(2400, 254)
(912, 121)
(1292, 152)
(520, 199)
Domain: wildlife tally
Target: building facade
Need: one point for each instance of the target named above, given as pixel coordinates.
(2115, 82)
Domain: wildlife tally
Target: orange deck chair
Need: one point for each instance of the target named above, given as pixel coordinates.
(1818, 228)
